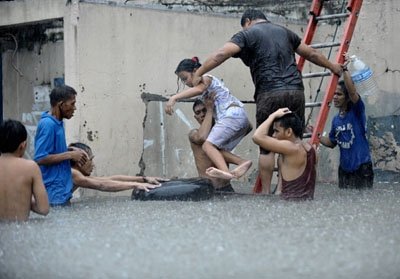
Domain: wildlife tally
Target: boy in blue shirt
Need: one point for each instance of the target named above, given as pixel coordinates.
(350, 133)
(51, 152)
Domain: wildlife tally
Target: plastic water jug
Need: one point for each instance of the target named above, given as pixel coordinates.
(362, 77)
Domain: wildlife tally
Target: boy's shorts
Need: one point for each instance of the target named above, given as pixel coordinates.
(361, 178)
(230, 130)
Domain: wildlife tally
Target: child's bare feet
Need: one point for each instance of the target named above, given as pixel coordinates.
(241, 169)
(214, 172)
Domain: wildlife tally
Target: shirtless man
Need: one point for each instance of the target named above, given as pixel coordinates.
(21, 184)
(81, 176)
(203, 113)
(297, 159)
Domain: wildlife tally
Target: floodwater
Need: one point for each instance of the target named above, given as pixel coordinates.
(341, 234)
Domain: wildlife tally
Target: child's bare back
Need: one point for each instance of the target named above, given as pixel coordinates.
(20, 180)
(21, 184)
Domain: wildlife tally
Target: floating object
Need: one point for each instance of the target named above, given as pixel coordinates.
(184, 189)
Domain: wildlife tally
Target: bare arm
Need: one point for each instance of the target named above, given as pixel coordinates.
(76, 155)
(130, 178)
(39, 201)
(262, 138)
(188, 93)
(107, 185)
(215, 59)
(199, 136)
(353, 95)
(318, 58)
(326, 142)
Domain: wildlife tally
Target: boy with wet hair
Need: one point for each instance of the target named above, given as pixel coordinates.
(81, 176)
(203, 112)
(21, 184)
(51, 151)
(297, 159)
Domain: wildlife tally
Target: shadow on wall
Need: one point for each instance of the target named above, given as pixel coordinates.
(384, 138)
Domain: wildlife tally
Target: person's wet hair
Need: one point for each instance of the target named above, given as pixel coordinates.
(12, 134)
(82, 146)
(188, 65)
(291, 120)
(252, 14)
(197, 102)
(343, 87)
(61, 94)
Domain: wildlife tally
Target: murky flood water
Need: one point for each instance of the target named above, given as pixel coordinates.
(341, 234)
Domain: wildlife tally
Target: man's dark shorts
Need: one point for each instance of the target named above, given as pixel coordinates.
(269, 102)
(361, 178)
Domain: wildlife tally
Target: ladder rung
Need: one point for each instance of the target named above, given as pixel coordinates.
(324, 45)
(319, 74)
(311, 105)
(333, 16)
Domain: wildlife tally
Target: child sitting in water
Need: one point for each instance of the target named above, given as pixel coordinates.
(231, 121)
(21, 185)
(297, 159)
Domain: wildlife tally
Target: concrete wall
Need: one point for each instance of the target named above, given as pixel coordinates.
(112, 113)
(21, 12)
(114, 53)
(28, 77)
(28, 72)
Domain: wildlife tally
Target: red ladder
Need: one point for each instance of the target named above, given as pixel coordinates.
(353, 9)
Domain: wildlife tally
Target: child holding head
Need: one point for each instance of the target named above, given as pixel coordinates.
(231, 121)
(297, 159)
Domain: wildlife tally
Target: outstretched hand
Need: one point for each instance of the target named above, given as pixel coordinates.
(169, 107)
(155, 180)
(147, 186)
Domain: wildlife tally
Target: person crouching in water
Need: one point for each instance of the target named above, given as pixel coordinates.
(282, 133)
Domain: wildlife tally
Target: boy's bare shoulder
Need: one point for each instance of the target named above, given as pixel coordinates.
(308, 146)
(27, 165)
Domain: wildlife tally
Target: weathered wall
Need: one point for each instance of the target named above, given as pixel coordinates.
(30, 63)
(28, 77)
(19, 12)
(114, 52)
(150, 44)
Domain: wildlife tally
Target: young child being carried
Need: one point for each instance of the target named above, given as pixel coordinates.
(231, 121)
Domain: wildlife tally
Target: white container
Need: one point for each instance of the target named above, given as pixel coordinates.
(362, 77)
